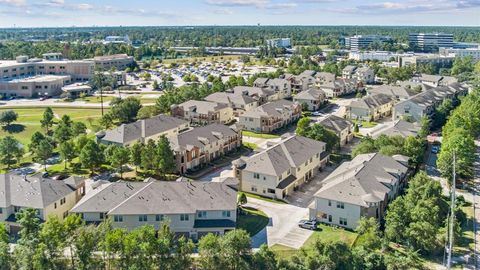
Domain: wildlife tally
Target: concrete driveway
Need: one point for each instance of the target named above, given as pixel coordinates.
(282, 228)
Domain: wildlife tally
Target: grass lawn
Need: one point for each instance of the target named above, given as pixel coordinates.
(282, 251)
(250, 145)
(250, 195)
(366, 124)
(29, 120)
(96, 99)
(203, 59)
(259, 135)
(252, 220)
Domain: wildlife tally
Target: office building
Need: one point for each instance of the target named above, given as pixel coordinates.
(430, 42)
(361, 42)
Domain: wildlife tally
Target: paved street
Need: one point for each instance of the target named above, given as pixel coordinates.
(282, 228)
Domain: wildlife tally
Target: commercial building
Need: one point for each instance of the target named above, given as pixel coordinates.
(280, 169)
(360, 188)
(191, 209)
(271, 116)
(34, 86)
(279, 43)
(117, 61)
(47, 196)
(76, 90)
(362, 42)
(435, 60)
(430, 42)
(474, 53)
(117, 40)
(376, 55)
(203, 112)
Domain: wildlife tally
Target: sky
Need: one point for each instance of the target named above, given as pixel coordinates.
(62, 13)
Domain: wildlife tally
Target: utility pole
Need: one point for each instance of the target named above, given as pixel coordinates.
(452, 219)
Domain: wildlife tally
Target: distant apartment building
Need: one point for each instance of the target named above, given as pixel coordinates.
(191, 209)
(117, 40)
(195, 148)
(474, 53)
(436, 60)
(375, 55)
(282, 168)
(279, 43)
(360, 188)
(433, 80)
(271, 116)
(143, 130)
(302, 81)
(47, 196)
(396, 92)
(203, 112)
(362, 42)
(430, 42)
(117, 61)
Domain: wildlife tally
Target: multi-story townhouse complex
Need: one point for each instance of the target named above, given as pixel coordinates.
(117, 61)
(282, 87)
(370, 108)
(203, 112)
(143, 130)
(424, 104)
(360, 188)
(191, 209)
(47, 196)
(34, 77)
(280, 169)
(474, 53)
(396, 92)
(429, 42)
(261, 95)
(271, 116)
(399, 128)
(323, 78)
(362, 74)
(438, 61)
(240, 103)
(311, 99)
(361, 42)
(342, 127)
(434, 80)
(340, 87)
(302, 81)
(198, 147)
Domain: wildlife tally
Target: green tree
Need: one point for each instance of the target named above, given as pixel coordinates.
(43, 152)
(366, 145)
(91, 156)
(148, 112)
(78, 128)
(136, 154)
(414, 148)
(35, 140)
(52, 236)
(119, 158)
(47, 120)
(85, 244)
(303, 126)
(242, 199)
(29, 238)
(10, 151)
(149, 156)
(5, 257)
(7, 117)
(67, 152)
(165, 157)
(211, 253)
(155, 85)
(126, 110)
(320, 133)
(265, 259)
(461, 143)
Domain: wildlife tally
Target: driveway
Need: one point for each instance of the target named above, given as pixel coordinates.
(282, 228)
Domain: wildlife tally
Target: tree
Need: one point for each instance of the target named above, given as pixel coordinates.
(148, 112)
(210, 252)
(47, 120)
(414, 148)
(7, 117)
(155, 85)
(35, 140)
(264, 258)
(320, 133)
(136, 154)
(303, 126)
(43, 152)
(78, 128)
(85, 244)
(126, 110)
(368, 230)
(149, 156)
(67, 152)
(165, 157)
(91, 156)
(53, 237)
(119, 157)
(5, 257)
(29, 238)
(242, 199)
(10, 151)
(461, 143)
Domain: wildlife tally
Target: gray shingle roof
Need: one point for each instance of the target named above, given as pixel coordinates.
(372, 101)
(261, 81)
(202, 107)
(401, 128)
(33, 191)
(253, 91)
(362, 180)
(142, 128)
(393, 91)
(271, 109)
(200, 136)
(335, 123)
(227, 98)
(159, 197)
(311, 94)
(290, 152)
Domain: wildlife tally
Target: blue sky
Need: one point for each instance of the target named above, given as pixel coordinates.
(38, 13)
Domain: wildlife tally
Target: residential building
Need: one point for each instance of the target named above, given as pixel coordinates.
(240, 103)
(399, 128)
(200, 146)
(438, 61)
(370, 108)
(191, 209)
(203, 112)
(396, 92)
(323, 78)
(117, 61)
(47, 196)
(280, 169)
(361, 42)
(425, 103)
(271, 116)
(261, 95)
(376, 55)
(360, 188)
(474, 53)
(282, 87)
(311, 99)
(340, 87)
(301, 82)
(362, 74)
(434, 80)
(430, 42)
(342, 127)
(279, 43)
(143, 130)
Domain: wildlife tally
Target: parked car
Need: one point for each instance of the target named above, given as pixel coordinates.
(308, 224)
(317, 114)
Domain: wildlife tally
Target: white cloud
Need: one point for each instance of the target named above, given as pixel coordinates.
(16, 3)
(237, 3)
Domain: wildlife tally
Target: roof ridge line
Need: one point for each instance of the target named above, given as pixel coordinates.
(118, 205)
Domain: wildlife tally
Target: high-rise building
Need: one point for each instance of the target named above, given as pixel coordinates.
(360, 42)
(430, 42)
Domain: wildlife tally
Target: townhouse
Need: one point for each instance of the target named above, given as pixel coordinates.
(281, 168)
(434, 80)
(396, 92)
(191, 209)
(282, 87)
(425, 103)
(238, 102)
(199, 146)
(339, 87)
(271, 116)
(360, 188)
(302, 81)
(323, 78)
(143, 130)
(342, 127)
(370, 108)
(203, 112)
(261, 95)
(311, 99)
(399, 128)
(47, 196)
(363, 74)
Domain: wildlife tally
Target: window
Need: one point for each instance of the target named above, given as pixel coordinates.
(1, 210)
(202, 214)
(184, 217)
(24, 87)
(271, 190)
(254, 188)
(62, 201)
(117, 218)
(225, 213)
(329, 203)
(343, 221)
(142, 218)
(102, 215)
(340, 205)
(329, 218)
(159, 218)
(256, 175)
(55, 205)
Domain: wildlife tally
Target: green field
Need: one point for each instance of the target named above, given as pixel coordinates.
(259, 135)
(28, 121)
(252, 220)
